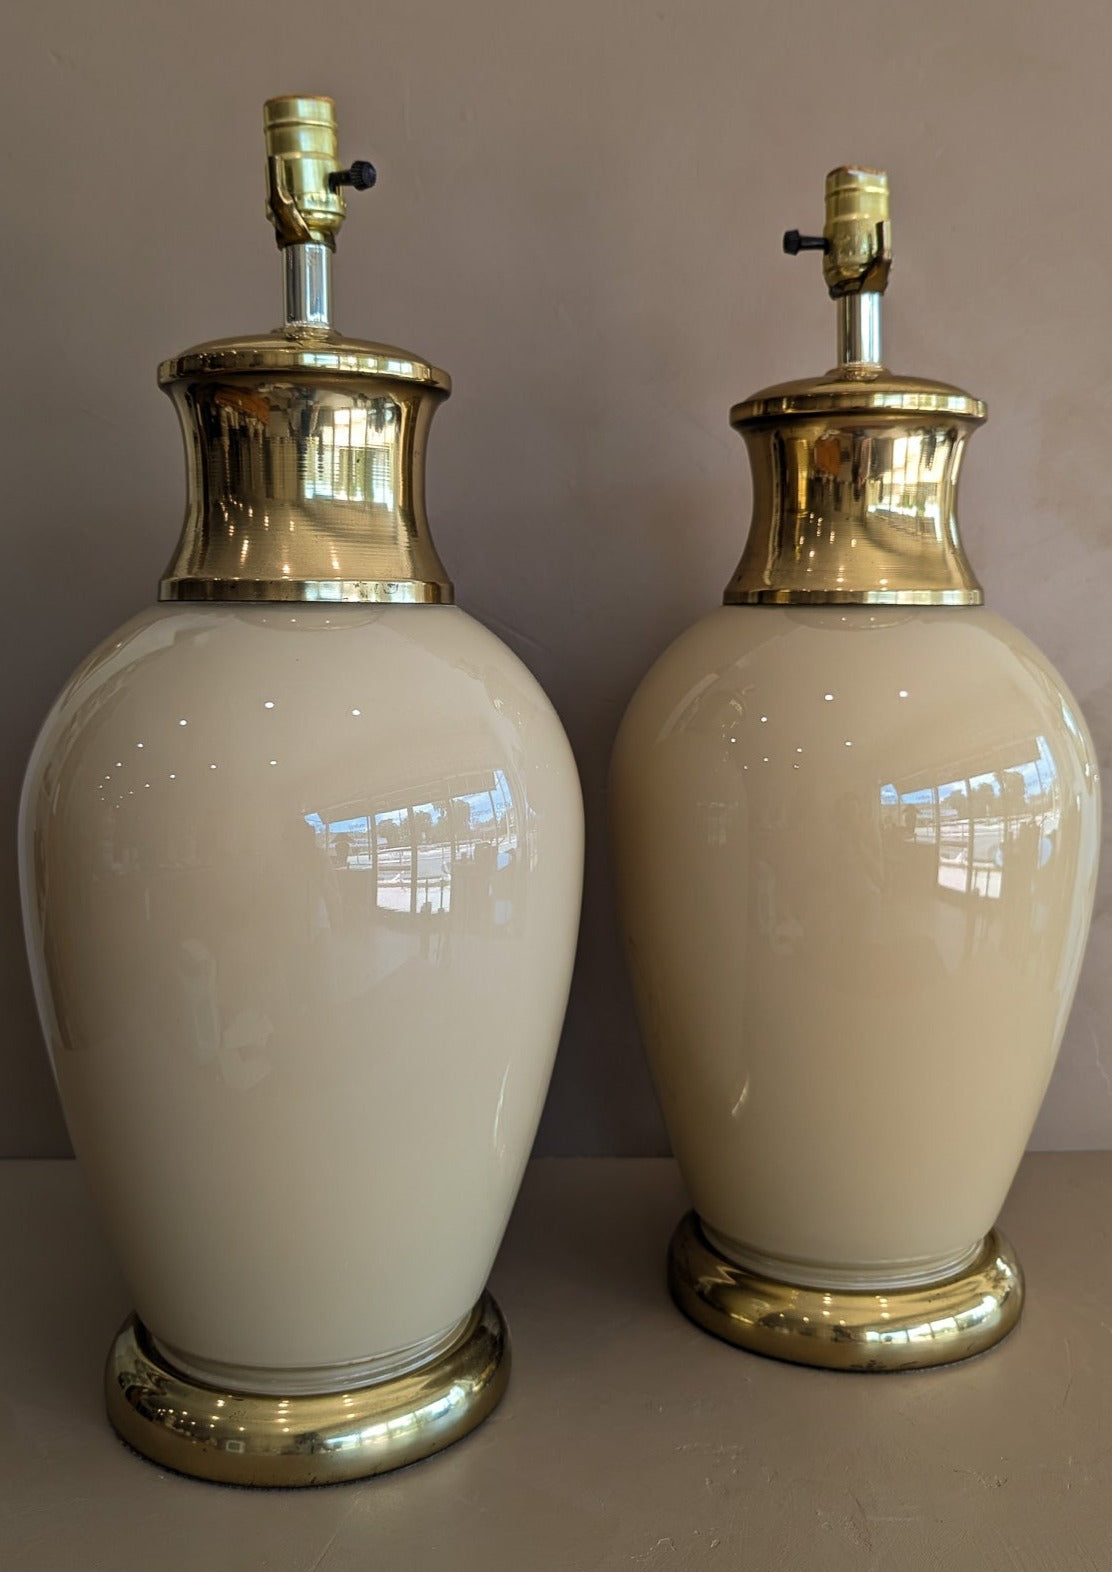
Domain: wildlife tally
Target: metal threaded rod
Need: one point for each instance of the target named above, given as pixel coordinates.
(859, 330)
(307, 279)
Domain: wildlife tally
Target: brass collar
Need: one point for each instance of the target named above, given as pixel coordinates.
(305, 463)
(854, 481)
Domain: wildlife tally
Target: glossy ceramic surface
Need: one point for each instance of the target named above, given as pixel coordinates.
(856, 852)
(302, 888)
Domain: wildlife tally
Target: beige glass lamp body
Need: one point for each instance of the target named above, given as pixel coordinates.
(302, 852)
(856, 820)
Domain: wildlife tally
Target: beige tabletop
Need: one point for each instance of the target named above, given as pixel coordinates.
(628, 1438)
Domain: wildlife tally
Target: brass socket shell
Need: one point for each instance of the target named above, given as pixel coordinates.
(301, 154)
(858, 232)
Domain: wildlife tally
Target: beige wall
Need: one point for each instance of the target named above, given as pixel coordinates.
(579, 216)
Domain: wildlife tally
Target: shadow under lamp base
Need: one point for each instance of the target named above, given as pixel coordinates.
(238, 1438)
(902, 1329)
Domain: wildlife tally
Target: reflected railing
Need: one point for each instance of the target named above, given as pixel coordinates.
(984, 835)
(455, 852)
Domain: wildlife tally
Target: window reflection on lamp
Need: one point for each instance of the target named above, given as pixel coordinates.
(988, 831)
(350, 455)
(449, 854)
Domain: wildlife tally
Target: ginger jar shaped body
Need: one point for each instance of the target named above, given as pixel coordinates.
(856, 820)
(302, 852)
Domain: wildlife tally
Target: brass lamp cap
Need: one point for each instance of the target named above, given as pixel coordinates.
(322, 359)
(881, 393)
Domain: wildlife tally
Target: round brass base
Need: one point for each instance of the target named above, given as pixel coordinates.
(903, 1329)
(237, 1438)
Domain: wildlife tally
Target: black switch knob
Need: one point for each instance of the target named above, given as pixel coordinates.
(794, 242)
(361, 176)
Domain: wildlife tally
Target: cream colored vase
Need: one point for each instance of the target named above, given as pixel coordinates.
(856, 821)
(302, 853)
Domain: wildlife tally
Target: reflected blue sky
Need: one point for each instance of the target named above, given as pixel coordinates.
(421, 856)
(988, 831)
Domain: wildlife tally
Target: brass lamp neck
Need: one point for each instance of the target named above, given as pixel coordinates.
(305, 451)
(855, 472)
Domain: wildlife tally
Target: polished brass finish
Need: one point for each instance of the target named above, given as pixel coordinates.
(302, 202)
(857, 232)
(328, 356)
(854, 494)
(840, 1329)
(855, 472)
(238, 1438)
(305, 450)
(305, 473)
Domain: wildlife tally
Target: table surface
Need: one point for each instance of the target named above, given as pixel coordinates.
(628, 1438)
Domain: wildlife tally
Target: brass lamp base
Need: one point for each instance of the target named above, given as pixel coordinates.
(237, 1438)
(903, 1329)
